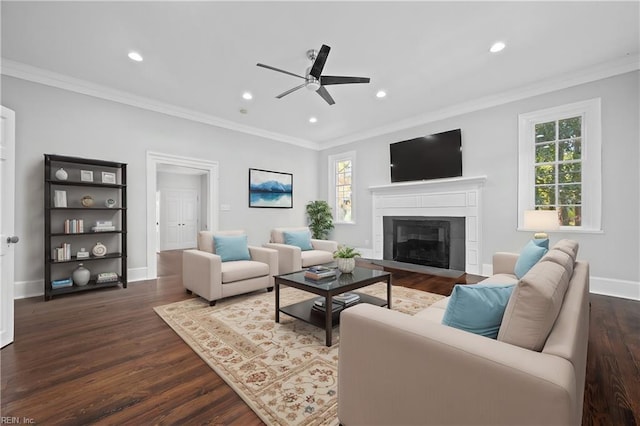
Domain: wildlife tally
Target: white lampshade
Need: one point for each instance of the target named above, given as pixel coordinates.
(540, 221)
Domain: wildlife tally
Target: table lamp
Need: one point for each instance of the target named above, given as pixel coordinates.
(541, 221)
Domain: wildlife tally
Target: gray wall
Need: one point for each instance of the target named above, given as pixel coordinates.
(55, 121)
(50, 120)
(490, 147)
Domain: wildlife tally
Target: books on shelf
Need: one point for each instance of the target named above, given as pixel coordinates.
(62, 283)
(103, 228)
(106, 277)
(74, 226)
(59, 198)
(62, 253)
(320, 272)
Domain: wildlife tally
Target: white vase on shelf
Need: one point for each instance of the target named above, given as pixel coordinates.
(61, 174)
(81, 275)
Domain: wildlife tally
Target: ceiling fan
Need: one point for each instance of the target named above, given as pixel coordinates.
(313, 78)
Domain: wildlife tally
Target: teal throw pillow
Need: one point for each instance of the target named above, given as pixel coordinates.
(529, 256)
(231, 247)
(478, 308)
(541, 242)
(300, 239)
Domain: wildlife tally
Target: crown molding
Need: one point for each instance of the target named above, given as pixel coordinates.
(49, 78)
(599, 72)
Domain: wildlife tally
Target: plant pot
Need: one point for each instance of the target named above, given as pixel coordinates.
(346, 265)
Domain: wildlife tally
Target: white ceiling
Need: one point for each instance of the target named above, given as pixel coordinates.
(431, 57)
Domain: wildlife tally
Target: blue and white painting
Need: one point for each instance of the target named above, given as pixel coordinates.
(270, 189)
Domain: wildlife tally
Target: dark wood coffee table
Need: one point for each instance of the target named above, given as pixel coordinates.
(328, 288)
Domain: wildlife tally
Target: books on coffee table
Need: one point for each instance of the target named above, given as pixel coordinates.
(318, 306)
(339, 302)
(347, 298)
(320, 272)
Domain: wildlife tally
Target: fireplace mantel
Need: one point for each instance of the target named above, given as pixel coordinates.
(430, 185)
(455, 197)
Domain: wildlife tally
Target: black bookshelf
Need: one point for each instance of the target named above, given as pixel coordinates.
(101, 180)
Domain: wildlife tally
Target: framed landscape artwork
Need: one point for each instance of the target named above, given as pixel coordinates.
(270, 189)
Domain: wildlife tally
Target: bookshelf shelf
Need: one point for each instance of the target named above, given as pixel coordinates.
(77, 234)
(63, 201)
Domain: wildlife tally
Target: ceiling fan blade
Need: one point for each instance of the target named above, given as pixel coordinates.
(332, 79)
(290, 91)
(325, 95)
(318, 64)
(279, 70)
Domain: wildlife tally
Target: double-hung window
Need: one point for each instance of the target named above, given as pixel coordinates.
(341, 189)
(560, 164)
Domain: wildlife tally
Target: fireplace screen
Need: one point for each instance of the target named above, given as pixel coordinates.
(436, 241)
(422, 242)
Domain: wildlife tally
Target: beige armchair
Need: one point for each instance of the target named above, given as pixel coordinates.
(292, 258)
(205, 274)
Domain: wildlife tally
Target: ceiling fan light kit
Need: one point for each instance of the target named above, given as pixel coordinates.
(313, 79)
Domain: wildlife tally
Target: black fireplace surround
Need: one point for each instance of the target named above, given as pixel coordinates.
(431, 241)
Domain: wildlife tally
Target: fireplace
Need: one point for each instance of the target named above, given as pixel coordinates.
(429, 241)
(449, 198)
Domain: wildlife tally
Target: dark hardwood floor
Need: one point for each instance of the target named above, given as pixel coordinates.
(105, 357)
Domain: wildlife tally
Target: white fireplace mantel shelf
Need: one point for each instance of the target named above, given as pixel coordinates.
(453, 197)
(431, 184)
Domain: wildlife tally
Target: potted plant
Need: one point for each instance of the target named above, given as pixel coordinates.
(320, 219)
(346, 258)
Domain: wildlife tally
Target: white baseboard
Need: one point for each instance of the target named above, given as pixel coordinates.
(615, 288)
(137, 274)
(24, 289)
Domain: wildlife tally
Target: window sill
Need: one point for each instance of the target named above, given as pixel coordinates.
(344, 223)
(566, 230)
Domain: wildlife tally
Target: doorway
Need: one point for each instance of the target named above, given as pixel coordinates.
(202, 215)
(180, 208)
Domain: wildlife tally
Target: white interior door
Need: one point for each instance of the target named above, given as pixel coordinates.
(170, 220)
(180, 216)
(190, 218)
(7, 216)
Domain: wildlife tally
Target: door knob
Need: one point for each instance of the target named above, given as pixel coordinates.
(12, 240)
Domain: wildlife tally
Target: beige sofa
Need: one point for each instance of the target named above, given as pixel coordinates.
(292, 258)
(397, 369)
(204, 273)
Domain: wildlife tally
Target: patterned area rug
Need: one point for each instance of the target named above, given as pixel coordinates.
(284, 372)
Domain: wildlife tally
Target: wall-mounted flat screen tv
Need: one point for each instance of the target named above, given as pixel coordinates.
(429, 157)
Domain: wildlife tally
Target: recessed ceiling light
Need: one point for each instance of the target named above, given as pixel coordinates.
(497, 47)
(381, 94)
(313, 120)
(247, 95)
(135, 56)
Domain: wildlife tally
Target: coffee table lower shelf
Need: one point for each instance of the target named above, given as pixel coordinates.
(304, 310)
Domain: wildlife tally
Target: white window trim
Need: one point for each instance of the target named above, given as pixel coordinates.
(591, 161)
(331, 196)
